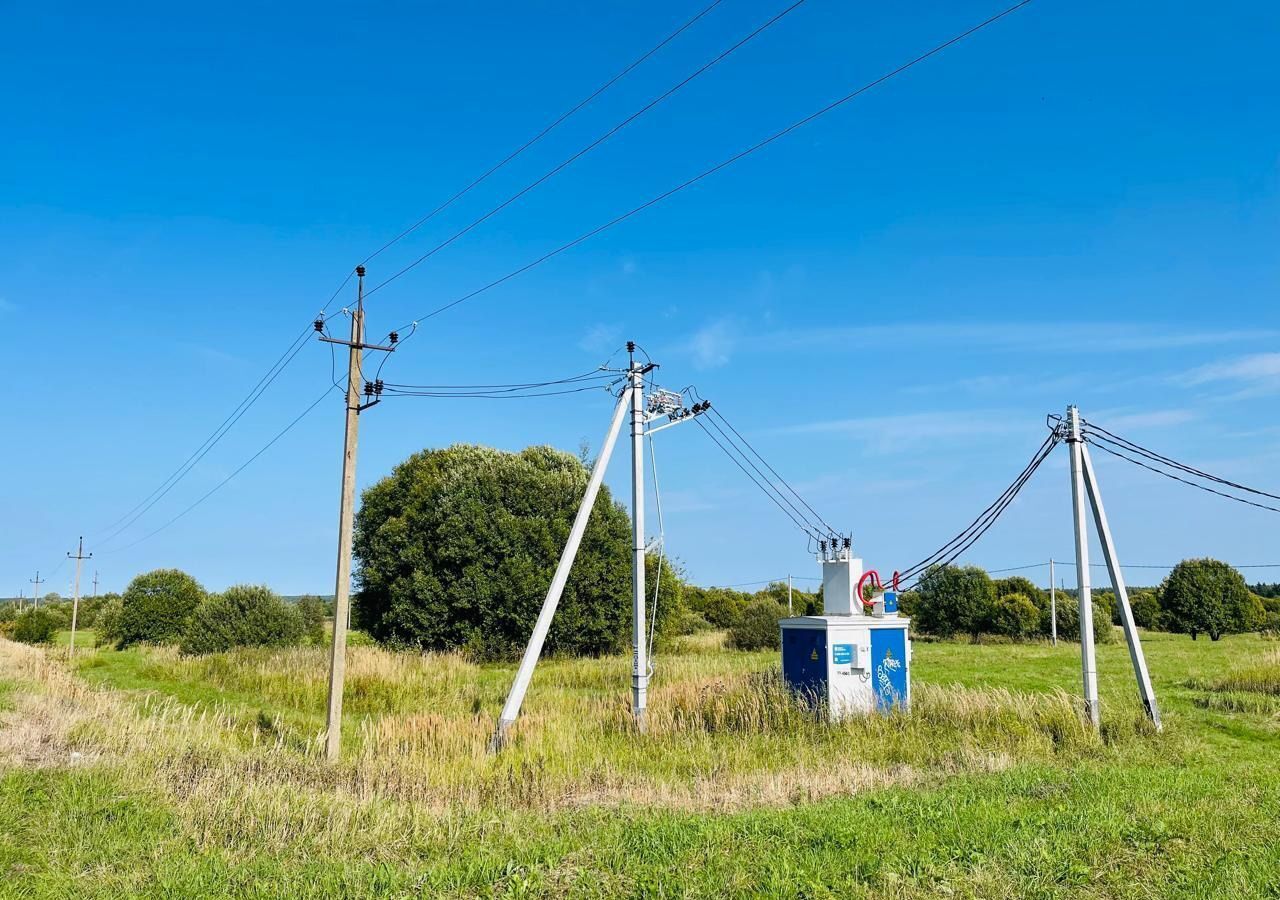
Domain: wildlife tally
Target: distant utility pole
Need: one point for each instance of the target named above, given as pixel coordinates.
(790, 611)
(37, 581)
(1053, 604)
(75, 603)
(95, 582)
(21, 597)
(346, 509)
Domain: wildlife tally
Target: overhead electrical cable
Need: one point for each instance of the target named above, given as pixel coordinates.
(717, 414)
(724, 164)
(555, 123)
(267, 446)
(797, 521)
(815, 527)
(1150, 468)
(959, 544)
(589, 147)
(208, 446)
(254, 393)
(1116, 440)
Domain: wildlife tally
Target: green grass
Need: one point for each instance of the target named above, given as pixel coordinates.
(200, 778)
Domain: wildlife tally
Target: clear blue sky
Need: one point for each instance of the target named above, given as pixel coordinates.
(1079, 204)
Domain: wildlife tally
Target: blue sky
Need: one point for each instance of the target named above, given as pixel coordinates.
(1079, 204)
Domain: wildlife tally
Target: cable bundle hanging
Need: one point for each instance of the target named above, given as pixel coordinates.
(952, 549)
(732, 444)
(1121, 447)
(600, 379)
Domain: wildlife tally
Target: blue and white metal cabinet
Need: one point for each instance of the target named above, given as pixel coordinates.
(848, 665)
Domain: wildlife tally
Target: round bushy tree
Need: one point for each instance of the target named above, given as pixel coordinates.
(1015, 616)
(35, 626)
(156, 606)
(757, 628)
(954, 600)
(242, 616)
(1210, 597)
(457, 547)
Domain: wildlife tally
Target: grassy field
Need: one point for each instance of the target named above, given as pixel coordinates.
(140, 773)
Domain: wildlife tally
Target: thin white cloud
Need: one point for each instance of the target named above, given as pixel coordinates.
(1155, 418)
(1257, 373)
(713, 345)
(908, 429)
(1010, 337)
(600, 338)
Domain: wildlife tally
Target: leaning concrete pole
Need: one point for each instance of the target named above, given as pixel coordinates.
(1145, 691)
(511, 709)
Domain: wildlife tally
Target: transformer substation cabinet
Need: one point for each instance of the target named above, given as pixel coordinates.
(849, 661)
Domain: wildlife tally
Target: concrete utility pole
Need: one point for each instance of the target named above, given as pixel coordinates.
(790, 611)
(1088, 652)
(346, 515)
(1053, 605)
(515, 698)
(639, 660)
(75, 602)
(95, 583)
(35, 598)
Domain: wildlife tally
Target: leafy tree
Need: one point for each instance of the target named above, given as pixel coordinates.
(1015, 616)
(954, 600)
(241, 616)
(108, 629)
(1208, 596)
(157, 605)
(313, 611)
(1146, 608)
(457, 548)
(757, 628)
(1017, 584)
(35, 626)
(721, 607)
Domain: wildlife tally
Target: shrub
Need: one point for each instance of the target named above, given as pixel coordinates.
(157, 605)
(457, 548)
(1015, 616)
(107, 630)
(242, 616)
(1146, 609)
(312, 611)
(954, 600)
(35, 626)
(757, 627)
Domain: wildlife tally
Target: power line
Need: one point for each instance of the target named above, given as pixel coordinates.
(591, 146)
(979, 526)
(717, 414)
(1170, 475)
(224, 481)
(1115, 440)
(790, 515)
(724, 164)
(209, 444)
(814, 528)
(256, 392)
(541, 134)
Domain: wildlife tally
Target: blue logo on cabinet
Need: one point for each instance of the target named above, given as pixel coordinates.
(842, 654)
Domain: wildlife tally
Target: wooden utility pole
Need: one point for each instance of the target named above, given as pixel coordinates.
(35, 598)
(346, 514)
(75, 602)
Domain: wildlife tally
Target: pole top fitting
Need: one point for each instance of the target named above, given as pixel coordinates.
(360, 271)
(631, 346)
